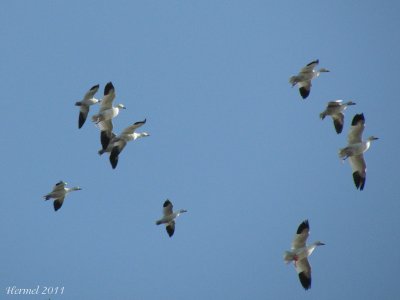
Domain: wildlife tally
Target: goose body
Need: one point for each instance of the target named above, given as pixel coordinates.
(169, 217)
(300, 252)
(305, 76)
(117, 143)
(355, 150)
(58, 194)
(85, 104)
(335, 109)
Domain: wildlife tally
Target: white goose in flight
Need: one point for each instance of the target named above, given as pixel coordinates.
(303, 79)
(355, 149)
(118, 143)
(58, 194)
(300, 252)
(107, 111)
(169, 217)
(335, 109)
(85, 103)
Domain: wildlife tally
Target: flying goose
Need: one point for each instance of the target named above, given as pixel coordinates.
(107, 111)
(169, 217)
(300, 252)
(335, 109)
(58, 193)
(355, 149)
(303, 79)
(84, 104)
(118, 143)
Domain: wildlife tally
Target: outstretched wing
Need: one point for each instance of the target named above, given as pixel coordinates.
(359, 168)
(303, 269)
(299, 240)
(170, 228)
(167, 208)
(90, 94)
(58, 203)
(131, 129)
(356, 129)
(109, 96)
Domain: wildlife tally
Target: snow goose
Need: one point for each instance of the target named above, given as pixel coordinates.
(355, 149)
(303, 79)
(300, 252)
(85, 103)
(58, 194)
(107, 111)
(118, 143)
(335, 109)
(169, 217)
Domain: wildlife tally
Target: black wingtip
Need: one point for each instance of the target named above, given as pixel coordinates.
(170, 230)
(95, 87)
(357, 118)
(82, 120)
(166, 203)
(338, 126)
(109, 86)
(305, 281)
(359, 181)
(57, 205)
(314, 62)
(302, 226)
(114, 157)
(304, 92)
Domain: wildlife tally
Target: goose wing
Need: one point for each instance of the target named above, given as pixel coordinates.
(359, 168)
(58, 203)
(83, 113)
(59, 186)
(310, 67)
(338, 120)
(90, 93)
(131, 129)
(304, 88)
(299, 240)
(109, 96)
(106, 133)
(170, 228)
(167, 208)
(118, 146)
(303, 269)
(334, 104)
(356, 129)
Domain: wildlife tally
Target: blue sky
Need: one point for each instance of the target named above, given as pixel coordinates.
(230, 141)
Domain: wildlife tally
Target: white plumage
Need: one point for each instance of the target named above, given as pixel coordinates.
(355, 149)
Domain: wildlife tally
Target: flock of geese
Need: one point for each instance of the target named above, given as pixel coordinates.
(114, 144)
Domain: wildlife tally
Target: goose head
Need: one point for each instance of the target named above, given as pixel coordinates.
(373, 138)
(323, 70)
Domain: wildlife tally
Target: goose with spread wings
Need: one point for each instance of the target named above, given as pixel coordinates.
(169, 217)
(300, 252)
(335, 109)
(118, 143)
(106, 113)
(305, 76)
(58, 194)
(355, 149)
(85, 103)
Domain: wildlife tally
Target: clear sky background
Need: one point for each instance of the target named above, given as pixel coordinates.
(230, 141)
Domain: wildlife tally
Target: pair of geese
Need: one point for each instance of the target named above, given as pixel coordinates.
(356, 146)
(110, 142)
(60, 191)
